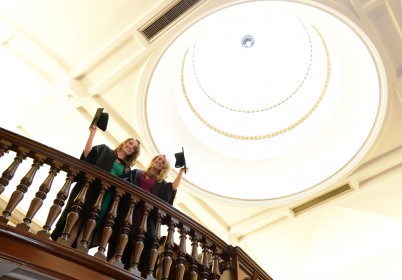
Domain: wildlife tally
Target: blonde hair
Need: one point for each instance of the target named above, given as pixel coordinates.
(163, 174)
(130, 160)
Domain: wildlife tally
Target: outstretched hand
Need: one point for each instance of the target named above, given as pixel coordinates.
(88, 144)
(92, 129)
(176, 181)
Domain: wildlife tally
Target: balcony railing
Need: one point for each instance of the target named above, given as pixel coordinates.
(27, 244)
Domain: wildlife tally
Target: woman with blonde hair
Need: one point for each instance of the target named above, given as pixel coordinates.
(116, 161)
(152, 180)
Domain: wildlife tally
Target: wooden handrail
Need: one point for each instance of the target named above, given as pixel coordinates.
(59, 161)
(52, 259)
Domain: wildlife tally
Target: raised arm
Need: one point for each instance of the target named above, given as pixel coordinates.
(88, 144)
(176, 181)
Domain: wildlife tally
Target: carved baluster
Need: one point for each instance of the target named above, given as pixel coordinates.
(8, 174)
(22, 188)
(153, 253)
(205, 272)
(73, 216)
(216, 274)
(181, 254)
(58, 204)
(40, 196)
(139, 242)
(193, 267)
(168, 252)
(159, 271)
(124, 235)
(108, 226)
(4, 149)
(93, 217)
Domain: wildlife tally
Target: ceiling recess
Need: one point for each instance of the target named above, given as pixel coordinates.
(321, 199)
(168, 17)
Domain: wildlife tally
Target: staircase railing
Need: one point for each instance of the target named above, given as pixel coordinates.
(210, 256)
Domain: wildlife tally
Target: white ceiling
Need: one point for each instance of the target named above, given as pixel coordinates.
(60, 60)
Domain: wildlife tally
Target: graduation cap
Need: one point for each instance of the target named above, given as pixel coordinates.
(100, 119)
(180, 160)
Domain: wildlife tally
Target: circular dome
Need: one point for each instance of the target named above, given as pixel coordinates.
(267, 100)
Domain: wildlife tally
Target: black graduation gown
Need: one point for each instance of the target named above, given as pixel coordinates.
(101, 156)
(163, 190)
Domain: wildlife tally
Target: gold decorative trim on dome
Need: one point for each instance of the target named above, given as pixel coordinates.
(265, 108)
(268, 135)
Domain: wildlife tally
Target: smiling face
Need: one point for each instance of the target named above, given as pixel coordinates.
(130, 146)
(159, 166)
(159, 163)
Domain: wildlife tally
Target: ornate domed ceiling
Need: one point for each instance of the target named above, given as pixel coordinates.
(267, 102)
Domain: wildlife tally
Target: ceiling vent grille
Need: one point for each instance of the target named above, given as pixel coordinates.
(164, 20)
(321, 199)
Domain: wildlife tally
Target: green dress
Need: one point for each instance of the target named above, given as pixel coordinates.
(117, 170)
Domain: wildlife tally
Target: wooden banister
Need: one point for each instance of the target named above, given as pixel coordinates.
(50, 258)
(174, 262)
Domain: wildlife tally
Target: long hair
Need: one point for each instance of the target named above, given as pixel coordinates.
(130, 160)
(163, 174)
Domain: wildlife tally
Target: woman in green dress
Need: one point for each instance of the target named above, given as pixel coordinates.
(116, 162)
